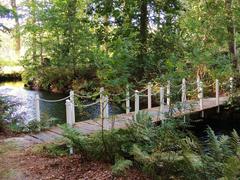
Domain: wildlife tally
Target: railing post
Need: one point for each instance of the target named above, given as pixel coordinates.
(149, 95)
(184, 94)
(136, 102)
(201, 98)
(101, 101)
(37, 106)
(73, 105)
(127, 100)
(106, 124)
(168, 92)
(198, 85)
(162, 103)
(217, 95)
(198, 81)
(69, 113)
(231, 85)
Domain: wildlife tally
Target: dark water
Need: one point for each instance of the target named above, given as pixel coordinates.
(222, 123)
(14, 93)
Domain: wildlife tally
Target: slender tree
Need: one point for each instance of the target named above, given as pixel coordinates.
(17, 35)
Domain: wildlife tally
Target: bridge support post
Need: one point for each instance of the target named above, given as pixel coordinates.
(231, 86)
(69, 113)
(201, 98)
(136, 103)
(184, 95)
(127, 100)
(106, 124)
(162, 103)
(73, 105)
(198, 85)
(168, 92)
(217, 95)
(101, 101)
(149, 95)
(37, 106)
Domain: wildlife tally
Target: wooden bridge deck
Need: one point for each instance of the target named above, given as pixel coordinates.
(117, 121)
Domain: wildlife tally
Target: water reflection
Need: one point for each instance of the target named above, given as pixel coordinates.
(14, 93)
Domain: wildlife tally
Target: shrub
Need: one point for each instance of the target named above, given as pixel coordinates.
(166, 151)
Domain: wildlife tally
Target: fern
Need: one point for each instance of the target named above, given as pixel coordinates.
(120, 167)
(235, 141)
(214, 145)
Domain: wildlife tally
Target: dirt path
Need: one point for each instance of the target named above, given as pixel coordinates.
(20, 163)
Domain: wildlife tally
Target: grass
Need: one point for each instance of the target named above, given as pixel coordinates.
(5, 62)
(6, 147)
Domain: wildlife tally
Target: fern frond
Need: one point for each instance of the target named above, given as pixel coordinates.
(120, 167)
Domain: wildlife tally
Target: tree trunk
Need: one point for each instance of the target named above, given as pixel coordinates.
(143, 33)
(17, 28)
(34, 36)
(231, 35)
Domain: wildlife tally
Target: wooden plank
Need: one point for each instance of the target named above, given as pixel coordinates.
(46, 136)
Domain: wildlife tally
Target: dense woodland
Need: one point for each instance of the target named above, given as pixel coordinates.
(84, 44)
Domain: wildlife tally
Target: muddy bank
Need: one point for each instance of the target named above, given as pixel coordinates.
(10, 77)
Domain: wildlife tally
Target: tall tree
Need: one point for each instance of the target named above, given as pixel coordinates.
(143, 35)
(17, 35)
(231, 28)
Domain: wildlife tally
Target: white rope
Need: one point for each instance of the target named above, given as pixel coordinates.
(192, 83)
(114, 95)
(210, 85)
(143, 90)
(176, 85)
(143, 95)
(156, 93)
(53, 101)
(86, 97)
(91, 104)
(122, 100)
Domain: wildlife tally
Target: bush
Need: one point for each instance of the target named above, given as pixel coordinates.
(33, 125)
(165, 151)
(55, 149)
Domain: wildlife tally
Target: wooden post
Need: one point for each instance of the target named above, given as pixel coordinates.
(198, 81)
(101, 101)
(136, 103)
(149, 95)
(201, 98)
(69, 113)
(217, 95)
(168, 92)
(231, 86)
(72, 105)
(127, 100)
(162, 103)
(37, 106)
(198, 86)
(184, 94)
(106, 124)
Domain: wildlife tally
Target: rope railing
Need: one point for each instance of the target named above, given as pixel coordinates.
(91, 104)
(53, 100)
(185, 90)
(86, 96)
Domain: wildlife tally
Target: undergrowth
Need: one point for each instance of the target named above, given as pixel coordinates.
(166, 151)
(55, 149)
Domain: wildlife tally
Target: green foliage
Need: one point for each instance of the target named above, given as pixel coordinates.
(120, 167)
(55, 149)
(18, 126)
(164, 151)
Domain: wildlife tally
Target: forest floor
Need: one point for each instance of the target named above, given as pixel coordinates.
(18, 163)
